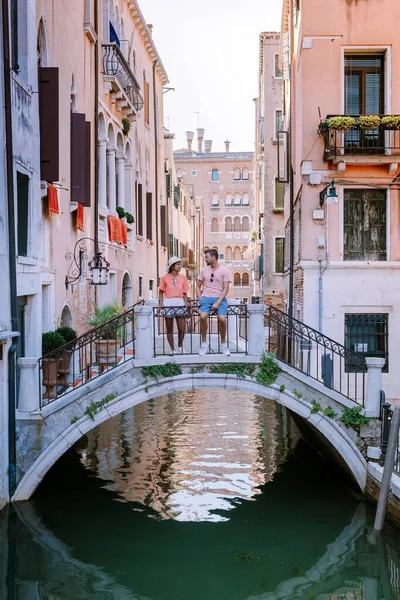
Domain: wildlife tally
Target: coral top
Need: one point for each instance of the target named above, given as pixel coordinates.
(173, 289)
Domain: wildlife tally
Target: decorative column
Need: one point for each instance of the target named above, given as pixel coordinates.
(121, 181)
(255, 333)
(28, 399)
(111, 180)
(144, 332)
(102, 173)
(373, 385)
(232, 325)
(128, 188)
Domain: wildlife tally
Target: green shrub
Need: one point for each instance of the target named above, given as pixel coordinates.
(170, 369)
(297, 394)
(51, 341)
(282, 388)
(316, 407)
(129, 218)
(238, 369)
(268, 370)
(352, 417)
(126, 126)
(341, 123)
(67, 333)
(329, 412)
(102, 316)
(120, 212)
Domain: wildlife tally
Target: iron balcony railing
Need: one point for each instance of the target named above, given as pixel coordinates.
(114, 64)
(386, 418)
(377, 141)
(87, 357)
(316, 355)
(237, 327)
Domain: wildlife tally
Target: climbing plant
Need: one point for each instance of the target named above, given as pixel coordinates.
(170, 369)
(268, 370)
(352, 417)
(95, 407)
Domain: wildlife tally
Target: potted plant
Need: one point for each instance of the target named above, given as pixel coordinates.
(126, 126)
(391, 121)
(109, 331)
(369, 121)
(341, 123)
(64, 366)
(51, 342)
(120, 212)
(129, 218)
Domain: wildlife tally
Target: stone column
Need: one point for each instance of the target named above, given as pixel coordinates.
(255, 332)
(144, 332)
(128, 188)
(111, 181)
(28, 399)
(102, 173)
(121, 181)
(373, 385)
(232, 325)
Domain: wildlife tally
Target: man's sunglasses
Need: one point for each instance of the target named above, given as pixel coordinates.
(212, 277)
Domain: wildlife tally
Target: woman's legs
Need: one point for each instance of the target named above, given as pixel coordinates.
(181, 322)
(170, 332)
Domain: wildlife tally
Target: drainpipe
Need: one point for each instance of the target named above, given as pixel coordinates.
(12, 453)
(96, 126)
(156, 168)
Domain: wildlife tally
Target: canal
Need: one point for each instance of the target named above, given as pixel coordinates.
(203, 496)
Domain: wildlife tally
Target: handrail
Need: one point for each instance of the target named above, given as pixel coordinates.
(115, 64)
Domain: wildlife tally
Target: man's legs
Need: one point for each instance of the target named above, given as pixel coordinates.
(203, 326)
(222, 328)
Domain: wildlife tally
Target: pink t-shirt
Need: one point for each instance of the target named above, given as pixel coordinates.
(213, 281)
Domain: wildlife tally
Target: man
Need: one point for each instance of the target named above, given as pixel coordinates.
(213, 286)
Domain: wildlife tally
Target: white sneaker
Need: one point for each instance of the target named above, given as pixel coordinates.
(225, 350)
(203, 349)
(172, 353)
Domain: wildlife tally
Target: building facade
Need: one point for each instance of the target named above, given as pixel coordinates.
(224, 183)
(342, 122)
(269, 192)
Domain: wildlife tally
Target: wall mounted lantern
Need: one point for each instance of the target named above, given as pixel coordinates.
(328, 193)
(98, 267)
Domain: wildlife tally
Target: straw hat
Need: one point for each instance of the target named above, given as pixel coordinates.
(171, 262)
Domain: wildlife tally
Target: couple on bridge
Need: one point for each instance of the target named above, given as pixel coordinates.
(212, 288)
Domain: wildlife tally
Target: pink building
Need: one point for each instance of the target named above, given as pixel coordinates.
(224, 182)
(341, 107)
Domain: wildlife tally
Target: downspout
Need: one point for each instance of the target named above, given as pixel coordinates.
(96, 126)
(12, 403)
(156, 169)
(291, 182)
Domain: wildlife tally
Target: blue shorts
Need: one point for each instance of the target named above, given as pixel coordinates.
(206, 304)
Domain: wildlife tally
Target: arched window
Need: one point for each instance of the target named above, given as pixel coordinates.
(236, 224)
(237, 200)
(245, 279)
(228, 200)
(66, 317)
(179, 173)
(127, 292)
(228, 253)
(244, 252)
(245, 224)
(245, 199)
(214, 175)
(228, 224)
(245, 173)
(236, 279)
(214, 199)
(236, 174)
(214, 225)
(237, 255)
(41, 45)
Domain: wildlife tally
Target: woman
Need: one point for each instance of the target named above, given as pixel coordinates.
(173, 293)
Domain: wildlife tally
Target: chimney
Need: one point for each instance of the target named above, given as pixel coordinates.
(207, 146)
(189, 139)
(227, 142)
(200, 135)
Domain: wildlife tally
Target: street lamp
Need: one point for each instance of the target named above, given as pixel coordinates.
(98, 266)
(328, 195)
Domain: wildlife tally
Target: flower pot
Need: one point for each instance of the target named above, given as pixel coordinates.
(50, 370)
(64, 367)
(106, 351)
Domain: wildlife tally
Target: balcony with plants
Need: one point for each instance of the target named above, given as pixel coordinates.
(122, 81)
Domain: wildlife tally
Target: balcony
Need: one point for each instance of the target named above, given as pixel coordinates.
(360, 145)
(118, 73)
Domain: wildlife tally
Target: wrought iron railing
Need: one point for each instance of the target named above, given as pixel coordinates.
(87, 357)
(188, 317)
(379, 141)
(386, 418)
(114, 64)
(315, 355)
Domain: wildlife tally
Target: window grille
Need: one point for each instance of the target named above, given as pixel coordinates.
(367, 334)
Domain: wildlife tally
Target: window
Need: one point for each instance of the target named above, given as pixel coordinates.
(245, 173)
(214, 199)
(279, 254)
(228, 200)
(214, 225)
(140, 287)
(277, 71)
(228, 224)
(151, 288)
(22, 212)
(228, 253)
(236, 224)
(236, 174)
(139, 210)
(149, 215)
(146, 93)
(237, 200)
(194, 173)
(245, 224)
(237, 255)
(245, 199)
(366, 334)
(245, 300)
(214, 175)
(245, 279)
(236, 279)
(364, 225)
(279, 194)
(179, 173)
(278, 123)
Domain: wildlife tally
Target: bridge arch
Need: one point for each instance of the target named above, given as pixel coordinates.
(343, 447)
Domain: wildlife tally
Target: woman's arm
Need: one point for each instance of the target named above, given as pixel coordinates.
(160, 298)
(185, 298)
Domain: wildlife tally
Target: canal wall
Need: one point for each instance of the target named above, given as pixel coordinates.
(374, 479)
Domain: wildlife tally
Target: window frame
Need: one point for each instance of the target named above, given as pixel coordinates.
(212, 175)
(276, 129)
(275, 66)
(280, 238)
(384, 336)
(240, 174)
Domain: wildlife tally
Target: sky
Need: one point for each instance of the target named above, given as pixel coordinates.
(210, 50)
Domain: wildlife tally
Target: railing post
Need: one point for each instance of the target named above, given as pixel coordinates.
(232, 325)
(144, 332)
(28, 397)
(256, 336)
(373, 386)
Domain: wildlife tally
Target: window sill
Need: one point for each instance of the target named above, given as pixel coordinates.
(26, 260)
(140, 238)
(278, 210)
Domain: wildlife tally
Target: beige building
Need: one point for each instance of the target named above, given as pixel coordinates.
(269, 192)
(224, 183)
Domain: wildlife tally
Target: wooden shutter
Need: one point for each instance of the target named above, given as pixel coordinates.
(78, 157)
(139, 211)
(49, 123)
(149, 215)
(164, 225)
(191, 257)
(170, 245)
(88, 164)
(146, 90)
(22, 213)
(364, 225)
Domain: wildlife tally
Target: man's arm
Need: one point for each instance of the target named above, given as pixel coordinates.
(199, 287)
(222, 296)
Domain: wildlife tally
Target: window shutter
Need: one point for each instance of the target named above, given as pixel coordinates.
(149, 215)
(170, 245)
(146, 90)
(49, 123)
(139, 210)
(168, 182)
(88, 162)
(22, 213)
(164, 225)
(78, 157)
(177, 196)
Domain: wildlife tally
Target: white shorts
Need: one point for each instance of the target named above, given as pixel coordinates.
(176, 303)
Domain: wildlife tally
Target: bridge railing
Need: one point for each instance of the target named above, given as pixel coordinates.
(386, 418)
(189, 316)
(316, 355)
(87, 357)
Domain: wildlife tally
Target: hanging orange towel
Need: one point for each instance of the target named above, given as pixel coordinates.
(124, 234)
(80, 217)
(53, 200)
(117, 230)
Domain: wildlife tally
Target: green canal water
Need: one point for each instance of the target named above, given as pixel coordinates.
(196, 496)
